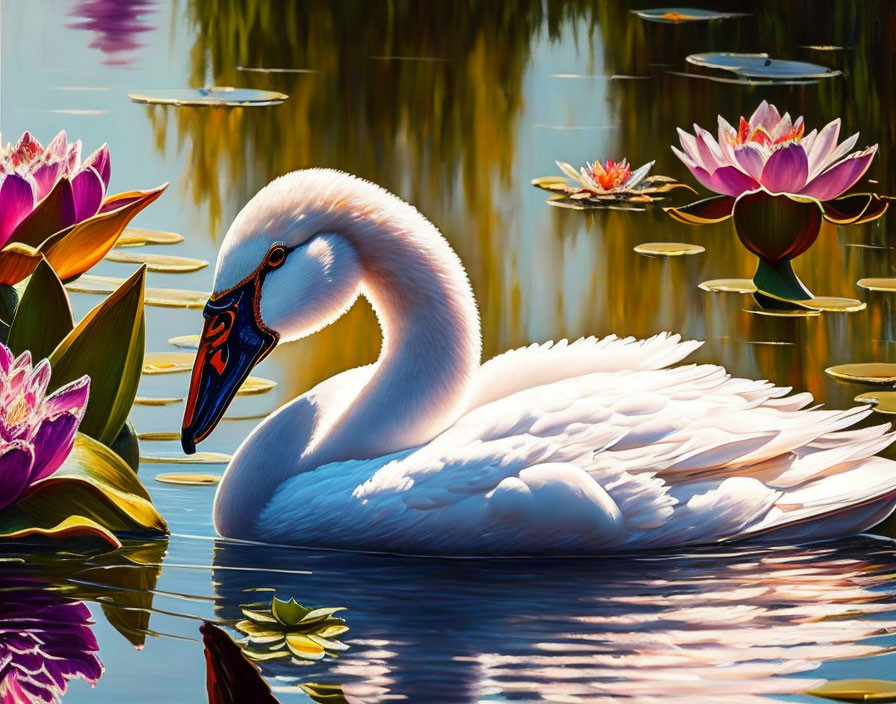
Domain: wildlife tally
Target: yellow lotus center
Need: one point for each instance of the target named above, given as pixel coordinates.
(18, 411)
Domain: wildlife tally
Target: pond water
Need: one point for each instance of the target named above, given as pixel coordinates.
(456, 109)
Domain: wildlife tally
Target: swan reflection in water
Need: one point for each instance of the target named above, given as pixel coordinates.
(680, 628)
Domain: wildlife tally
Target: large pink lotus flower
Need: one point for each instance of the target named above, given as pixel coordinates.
(29, 173)
(36, 430)
(773, 152)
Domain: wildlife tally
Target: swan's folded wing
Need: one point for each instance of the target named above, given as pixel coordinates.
(602, 461)
(546, 363)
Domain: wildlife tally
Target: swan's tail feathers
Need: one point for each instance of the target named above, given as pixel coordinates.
(842, 499)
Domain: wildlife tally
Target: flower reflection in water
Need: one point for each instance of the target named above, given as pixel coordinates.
(116, 26)
(45, 641)
(678, 628)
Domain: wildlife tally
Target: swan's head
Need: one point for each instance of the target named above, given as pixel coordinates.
(284, 272)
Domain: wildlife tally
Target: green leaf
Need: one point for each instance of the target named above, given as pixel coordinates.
(289, 613)
(857, 691)
(107, 345)
(44, 315)
(16, 524)
(93, 485)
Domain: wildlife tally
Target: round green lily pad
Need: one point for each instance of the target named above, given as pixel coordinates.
(760, 66)
(210, 97)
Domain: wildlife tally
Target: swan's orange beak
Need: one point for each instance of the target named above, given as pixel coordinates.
(234, 339)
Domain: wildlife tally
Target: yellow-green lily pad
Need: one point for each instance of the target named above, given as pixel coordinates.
(138, 237)
(668, 249)
(164, 263)
(188, 478)
(882, 401)
(879, 284)
(197, 458)
(164, 297)
(728, 286)
(214, 96)
(190, 342)
(864, 373)
(857, 691)
(167, 362)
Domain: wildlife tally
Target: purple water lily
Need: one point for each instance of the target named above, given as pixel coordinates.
(29, 173)
(45, 641)
(36, 430)
(774, 153)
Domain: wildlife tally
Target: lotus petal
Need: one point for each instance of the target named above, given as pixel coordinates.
(840, 177)
(820, 149)
(786, 170)
(17, 261)
(52, 444)
(45, 177)
(639, 174)
(16, 460)
(750, 159)
(57, 146)
(87, 190)
(16, 202)
(709, 151)
(52, 214)
(101, 161)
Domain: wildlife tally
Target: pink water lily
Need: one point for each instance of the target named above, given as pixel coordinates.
(36, 430)
(773, 152)
(30, 172)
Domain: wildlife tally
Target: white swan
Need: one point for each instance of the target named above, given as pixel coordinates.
(586, 447)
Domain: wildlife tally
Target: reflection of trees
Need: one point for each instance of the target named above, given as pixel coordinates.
(435, 123)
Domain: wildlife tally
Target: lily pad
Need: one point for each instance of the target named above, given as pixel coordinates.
(164, 263)
(833, 304)
(883, 401)
(161, 436)
(677, 15)
(857, 691)
(164, 297)
(864, 373)
(150, 401)
(772, 313)
(167, 362)
(190, 342)
(668, 249)
(210, 97)
(251, 387)
(138, 237)
(760, 66)
(188, 478)
(197, 458)
(873, 284)
(728, 286)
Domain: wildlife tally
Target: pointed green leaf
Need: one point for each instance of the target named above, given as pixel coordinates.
(289, 613)
(44, 315)
(107, 345)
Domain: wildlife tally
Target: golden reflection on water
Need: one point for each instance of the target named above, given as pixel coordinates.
(451, 134)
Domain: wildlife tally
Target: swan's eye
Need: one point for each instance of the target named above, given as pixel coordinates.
(276, 256)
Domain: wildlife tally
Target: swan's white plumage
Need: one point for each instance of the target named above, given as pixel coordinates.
(590, 446)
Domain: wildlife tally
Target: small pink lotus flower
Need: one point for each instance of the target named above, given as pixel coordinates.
(36, 430)
(29, 173)
(773, 152)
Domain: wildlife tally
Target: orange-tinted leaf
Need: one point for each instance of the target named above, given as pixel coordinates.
(77, 248)
(70, 527)
(17, 261)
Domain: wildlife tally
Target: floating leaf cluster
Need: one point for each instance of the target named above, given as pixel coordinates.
(608, 185)
(284, 629)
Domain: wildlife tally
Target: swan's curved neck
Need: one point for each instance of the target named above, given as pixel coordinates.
(431, 342)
